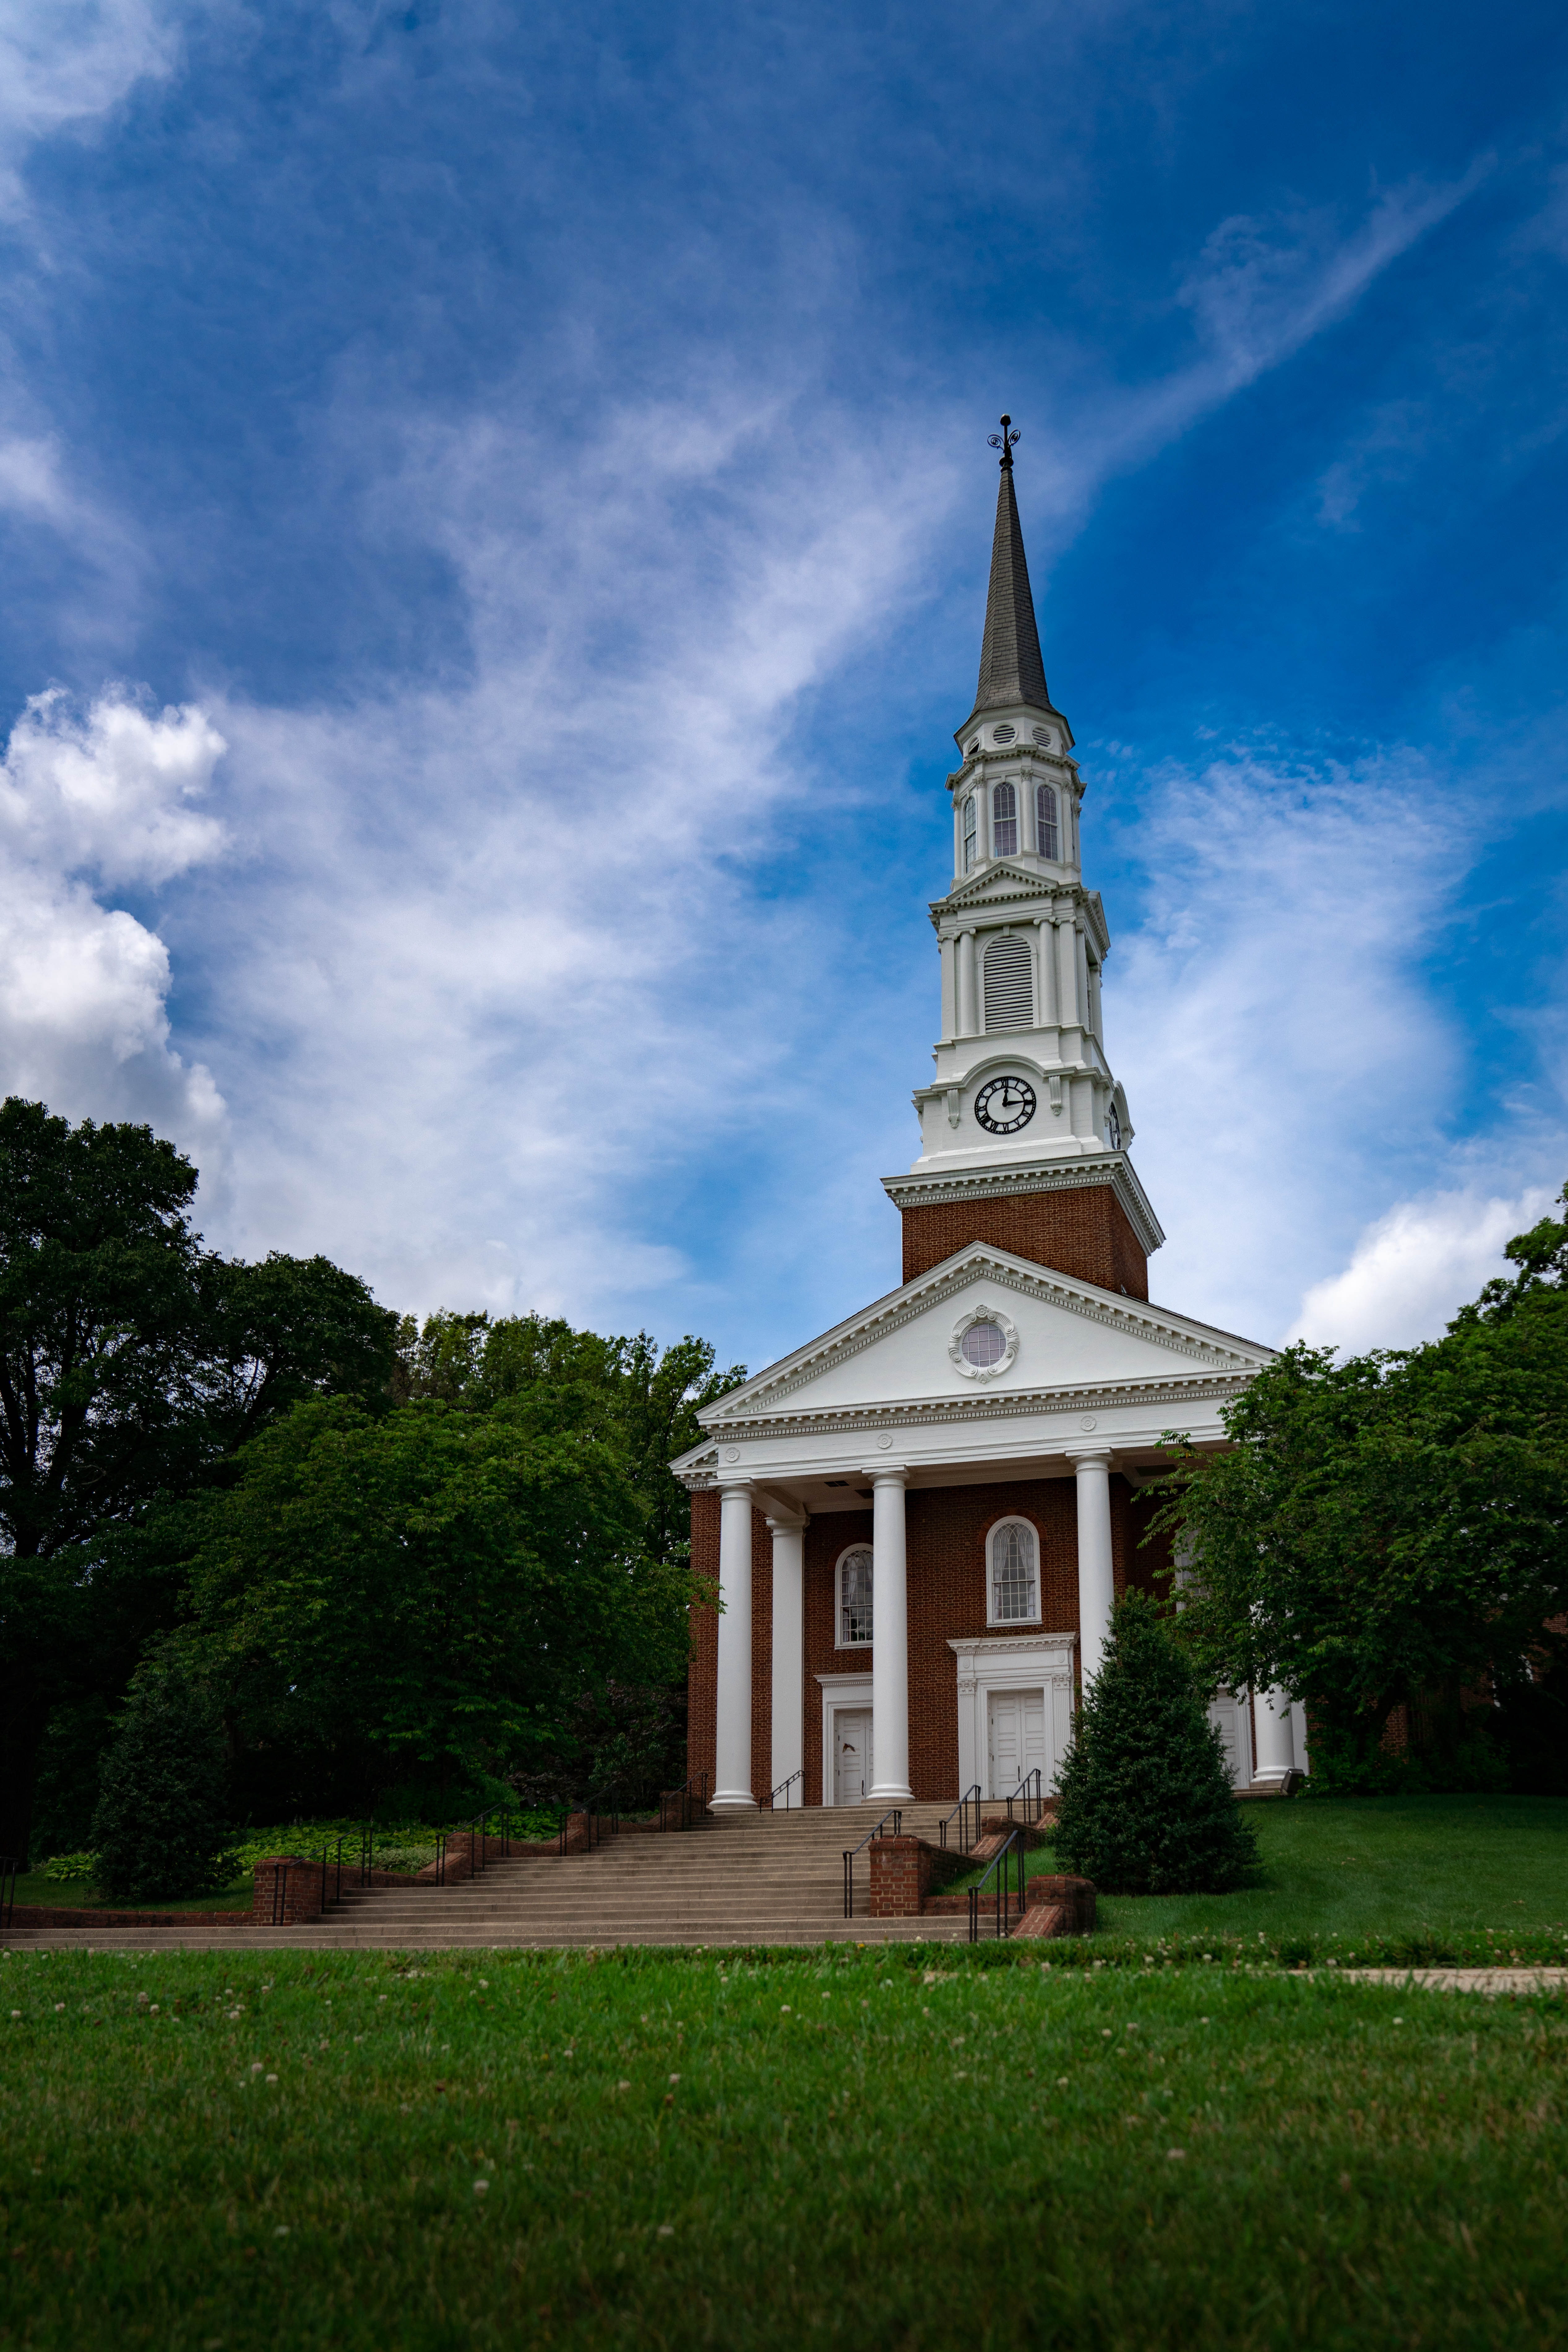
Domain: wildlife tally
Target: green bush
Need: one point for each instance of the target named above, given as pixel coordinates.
(62, 1869)
(1145, 1803)
(160, 1826)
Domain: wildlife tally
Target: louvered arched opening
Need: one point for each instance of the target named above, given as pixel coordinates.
(1009, 983)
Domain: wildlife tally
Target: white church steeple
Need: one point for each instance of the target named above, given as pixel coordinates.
(1023, 1100)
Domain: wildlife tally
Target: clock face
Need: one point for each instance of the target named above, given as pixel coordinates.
(1005, 1105)
(1113, 1129)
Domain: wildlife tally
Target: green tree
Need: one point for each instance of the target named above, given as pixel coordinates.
(1391, 1530)
(132, 1362)
(643, 1398)
(429, 1590)
(163, 1813)
(1144, 1799)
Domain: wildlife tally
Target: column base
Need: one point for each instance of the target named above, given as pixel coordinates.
(731, 1801)
(1266, 1775)
(884, 1794)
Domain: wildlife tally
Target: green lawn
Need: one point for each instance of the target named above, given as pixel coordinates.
(914, 2150)
(1457, 1869)
(81, 1894)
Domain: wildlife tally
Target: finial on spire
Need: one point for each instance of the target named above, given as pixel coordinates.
(1006, 441)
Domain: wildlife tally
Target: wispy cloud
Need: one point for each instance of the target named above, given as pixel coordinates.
(1413, 1267)
(64, 68)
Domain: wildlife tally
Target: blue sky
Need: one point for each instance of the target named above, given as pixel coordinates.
(495, 513)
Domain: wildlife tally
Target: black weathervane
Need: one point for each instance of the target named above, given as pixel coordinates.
(1006, 441)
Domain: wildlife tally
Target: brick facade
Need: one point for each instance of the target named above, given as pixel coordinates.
(1083, 1233)
(946, 1527)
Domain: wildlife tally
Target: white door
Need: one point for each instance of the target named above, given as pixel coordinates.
(852, 1778)
(1018, 1738)
(1233, 1716)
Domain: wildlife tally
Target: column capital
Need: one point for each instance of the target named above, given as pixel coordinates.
(1086, 1457)
(886, 1474)
(733, 1482)
(779, 1523)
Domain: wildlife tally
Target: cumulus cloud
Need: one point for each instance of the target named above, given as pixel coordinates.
(90, 801)
(1413, 1267)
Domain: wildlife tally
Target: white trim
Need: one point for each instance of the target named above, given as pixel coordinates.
(1015, 1519)
(862, 1544)
(1005, 1361)
(847, 1691)
(1030, 1662)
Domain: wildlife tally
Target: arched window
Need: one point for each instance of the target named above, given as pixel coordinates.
(1013, 1595)
(1004, 821)
(969, 816)
(1046, 821)
(854, 1598)
(1009, 983)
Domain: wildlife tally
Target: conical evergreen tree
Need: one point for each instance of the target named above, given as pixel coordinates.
(1145, 1805)
(162, 1815)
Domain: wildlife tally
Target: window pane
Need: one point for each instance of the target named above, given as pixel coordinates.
(854, 1598)
(1012, 1575)
(1004, 822)
(969, 832)
(983, 1344)
(1046, 819)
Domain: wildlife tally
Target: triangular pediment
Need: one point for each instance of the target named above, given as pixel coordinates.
(997, 881)
(1066, 1339)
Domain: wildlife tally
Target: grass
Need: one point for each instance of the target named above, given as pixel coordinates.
(1456, 1869)
(209, 2153)
(81, 1895)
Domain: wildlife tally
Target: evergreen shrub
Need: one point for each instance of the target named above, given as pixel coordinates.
(161, 1825)
(1144, 1797)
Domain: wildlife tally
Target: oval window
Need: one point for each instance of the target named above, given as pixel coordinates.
(982, 1344)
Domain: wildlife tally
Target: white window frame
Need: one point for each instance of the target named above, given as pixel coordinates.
(1054, 855)
(969, 835)
(848, 1552)
(1013, 1520)
(1005, 784)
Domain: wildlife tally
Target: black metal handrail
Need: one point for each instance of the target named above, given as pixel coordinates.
(688, 1800)
(967, 1807)
(8, 1874)
(771, 1800)
(598, 1812)
(881, 1829)
(1001, 1892)
(280, 1892)
(1031, 1802)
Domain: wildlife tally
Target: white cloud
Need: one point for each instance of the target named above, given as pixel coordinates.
(89, 801)
(1281, 1049)
(64, 67)
(1414, 1268)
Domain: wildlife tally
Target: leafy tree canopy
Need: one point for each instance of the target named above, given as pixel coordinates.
(1393, 1527)
(132, 1362)
(434, 1585)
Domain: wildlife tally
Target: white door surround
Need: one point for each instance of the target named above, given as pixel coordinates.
(1041, 1663)
(852, 1695)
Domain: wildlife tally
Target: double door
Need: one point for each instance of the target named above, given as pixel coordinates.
(852, 1774)
(1017, 1726)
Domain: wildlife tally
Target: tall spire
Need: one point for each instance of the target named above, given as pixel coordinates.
(1011, 670)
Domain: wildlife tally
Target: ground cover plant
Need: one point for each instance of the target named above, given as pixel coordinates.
(925, 2147)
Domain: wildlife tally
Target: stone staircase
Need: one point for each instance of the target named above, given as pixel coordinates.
(748, 1878)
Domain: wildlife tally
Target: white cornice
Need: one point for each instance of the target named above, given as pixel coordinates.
(1112, 1168)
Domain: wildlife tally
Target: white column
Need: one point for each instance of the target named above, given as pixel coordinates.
(789, 1655)
(1066, 975)
(948, 989)
(1299, 1730)
(1275, 1739)
(732, 1746)
(967, 1025)
(889, 1639)
(1046, 1006)
(1096, 1575)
